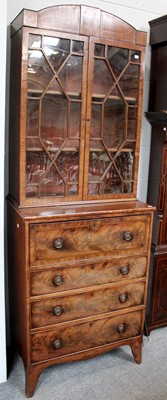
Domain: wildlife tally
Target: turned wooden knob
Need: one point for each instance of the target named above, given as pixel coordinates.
(124, 270)
(57, 343)
(58, 243)
(127, 235)
(121, 328)
(58, 280)
(57, 310)
(123, 297)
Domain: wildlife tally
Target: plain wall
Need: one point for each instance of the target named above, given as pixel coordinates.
(137, 13)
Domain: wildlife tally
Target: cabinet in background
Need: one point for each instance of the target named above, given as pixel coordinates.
(157, 187)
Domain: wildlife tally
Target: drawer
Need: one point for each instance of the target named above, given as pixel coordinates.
(67, 340)
(61, 279)
(68, 241)
(60, 309)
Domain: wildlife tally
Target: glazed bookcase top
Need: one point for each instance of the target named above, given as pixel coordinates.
(76, 99)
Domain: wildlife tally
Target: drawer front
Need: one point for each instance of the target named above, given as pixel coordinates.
(61, 279)
(78, 240)
(61, 309)
(75, 338)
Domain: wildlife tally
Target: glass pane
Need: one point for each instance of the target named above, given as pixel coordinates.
(98, 162)
(52, 184)
(56, 50)
(125, 165)
(32, 117)
(117, 58)
(112, 182)
(132, 121)
(129, 83)
(135, 56)
(96, 121)
(104, 178)
(34, 41)
(37, 162)
(68, 164)
(77, 47)
(102, 79)
(114, 121)
(39, 73)
(99, 50)
(71, 76)
(54, 120)
(75, 119)
(33, 143)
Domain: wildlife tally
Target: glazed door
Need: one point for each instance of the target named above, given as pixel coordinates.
(55, 116)
(114, 104)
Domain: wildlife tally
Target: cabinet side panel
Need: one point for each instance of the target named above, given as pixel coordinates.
(14, 122)
(17, 282)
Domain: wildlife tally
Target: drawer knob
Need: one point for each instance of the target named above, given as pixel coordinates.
(124, 270)
(123, 297)
(58, 280)
(57, 344)
(57, 310)
(127, 235)
(58, 243)
(121, 328)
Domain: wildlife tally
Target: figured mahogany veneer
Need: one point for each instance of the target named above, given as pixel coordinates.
(85, 336)
(55, 279)
(92, 302)
(78, 239)
(87, 239)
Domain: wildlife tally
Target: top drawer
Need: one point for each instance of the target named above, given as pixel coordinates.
(77, 240)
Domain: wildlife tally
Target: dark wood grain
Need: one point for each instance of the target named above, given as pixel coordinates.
(84, 336)
(87, 274)
(85, 304)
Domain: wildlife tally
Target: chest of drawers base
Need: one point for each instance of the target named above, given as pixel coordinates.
(78, 285)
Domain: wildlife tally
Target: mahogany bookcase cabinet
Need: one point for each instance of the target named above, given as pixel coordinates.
(79, 240)
(157, 188)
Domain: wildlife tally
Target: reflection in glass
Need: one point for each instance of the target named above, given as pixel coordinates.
(129, 83)
(98, 163)
(68, 162)
(47, 179)
(54, 120)
(96, 121)
(39, 72)
(114, 120)
(102, 79)
(71, 76)
(135, 56)
(36, 164)
(111, 174)
(77, 47)
(112, 182)
(56, 50)
(117, 58)
(52, 184)
(32, 117)
(33, 143)
(132, 122)
(75, 119)
(34, 41)
(99, 50)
